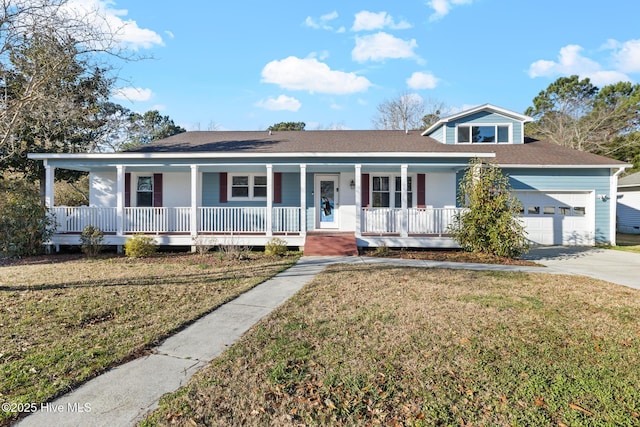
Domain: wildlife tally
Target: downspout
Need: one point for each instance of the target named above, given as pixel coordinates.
(613, 209)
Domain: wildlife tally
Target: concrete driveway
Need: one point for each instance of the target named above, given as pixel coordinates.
(613, 266)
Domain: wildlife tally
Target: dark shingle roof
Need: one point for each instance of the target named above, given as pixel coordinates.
(372, 141)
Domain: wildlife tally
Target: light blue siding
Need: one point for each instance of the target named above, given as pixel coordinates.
(438, 134)
(596, 180)
(484, 117)
(290, 190)
(211, 192)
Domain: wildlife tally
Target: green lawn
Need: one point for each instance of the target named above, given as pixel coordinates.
(400, 346)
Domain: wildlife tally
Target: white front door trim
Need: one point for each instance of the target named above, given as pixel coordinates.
(326, 201)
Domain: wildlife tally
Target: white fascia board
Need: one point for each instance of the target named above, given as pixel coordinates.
(502, 165)
(198, 156)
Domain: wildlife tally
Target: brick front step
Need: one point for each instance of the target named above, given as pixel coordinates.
(330, 244)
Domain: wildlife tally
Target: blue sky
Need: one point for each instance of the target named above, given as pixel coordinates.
(237, 65)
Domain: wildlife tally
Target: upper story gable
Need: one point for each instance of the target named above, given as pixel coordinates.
(485, 124)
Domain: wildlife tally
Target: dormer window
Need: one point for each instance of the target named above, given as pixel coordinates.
(488, 134)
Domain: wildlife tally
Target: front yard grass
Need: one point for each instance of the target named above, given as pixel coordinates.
(400, 346)
(63, 322)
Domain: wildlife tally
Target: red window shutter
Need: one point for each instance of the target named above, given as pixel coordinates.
(365, 190)
(277, 187)
(421, 191)
(223, 187)
(127, 190)
(157, 190)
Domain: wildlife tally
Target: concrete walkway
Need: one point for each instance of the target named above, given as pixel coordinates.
(124, 395)
(622, 268)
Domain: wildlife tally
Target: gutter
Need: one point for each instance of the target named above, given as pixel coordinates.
(613, 209)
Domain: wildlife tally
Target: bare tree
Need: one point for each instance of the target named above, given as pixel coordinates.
(574, 113)
(409, 111)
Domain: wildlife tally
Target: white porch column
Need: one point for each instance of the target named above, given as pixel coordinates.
(49, 172)
(303, 200)
(404, 213)
(120, 200)
(269, 217)
(358, 190)
(193, 221)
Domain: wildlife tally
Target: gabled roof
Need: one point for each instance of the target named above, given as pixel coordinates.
(485, 107)
(632, 180)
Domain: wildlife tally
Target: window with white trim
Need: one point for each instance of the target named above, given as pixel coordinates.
(488, 134)
(384, 186)
(247, 186)
(144, 191)
(398, 198)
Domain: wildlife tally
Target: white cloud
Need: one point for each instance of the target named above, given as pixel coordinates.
(113, 21)
(421, 80)
(281, 103)
(380, 46)
(323, 22)
(313, 76)
(572, 62)
(443, 7)
(132, 94)
(368, 21)
(627, 56)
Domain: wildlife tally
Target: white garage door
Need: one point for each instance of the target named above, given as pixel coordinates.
(558, 218)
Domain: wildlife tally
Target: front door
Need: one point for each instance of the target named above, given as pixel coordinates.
(326, 201)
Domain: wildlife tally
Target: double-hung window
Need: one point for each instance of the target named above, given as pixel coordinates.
(144, 191)
(248, 186)
(380, 192)
(386, 192)
(398, 198)
(483, 134)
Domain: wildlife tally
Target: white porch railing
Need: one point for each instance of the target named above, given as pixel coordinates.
(431, 220)
(242, 220)
(157, 220)
(286, 220)
(178, 219)
(420, 220)
(73, 219)
(237, 220)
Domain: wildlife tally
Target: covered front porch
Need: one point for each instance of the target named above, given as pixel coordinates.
(248, 225)
(390, 204)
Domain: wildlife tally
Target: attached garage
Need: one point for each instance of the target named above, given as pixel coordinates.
(559, 218)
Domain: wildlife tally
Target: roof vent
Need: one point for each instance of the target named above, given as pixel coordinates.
(269, 133)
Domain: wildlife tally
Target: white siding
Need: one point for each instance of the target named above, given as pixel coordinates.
(176, 191)
(440, 190)
(102, 189)
(629, 211)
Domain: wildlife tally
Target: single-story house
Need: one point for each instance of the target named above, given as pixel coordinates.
(629, 204)
(390, 188)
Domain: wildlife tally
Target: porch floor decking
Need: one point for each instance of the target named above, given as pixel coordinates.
(334, 243)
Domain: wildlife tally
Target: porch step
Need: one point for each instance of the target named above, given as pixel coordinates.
(330, 244)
